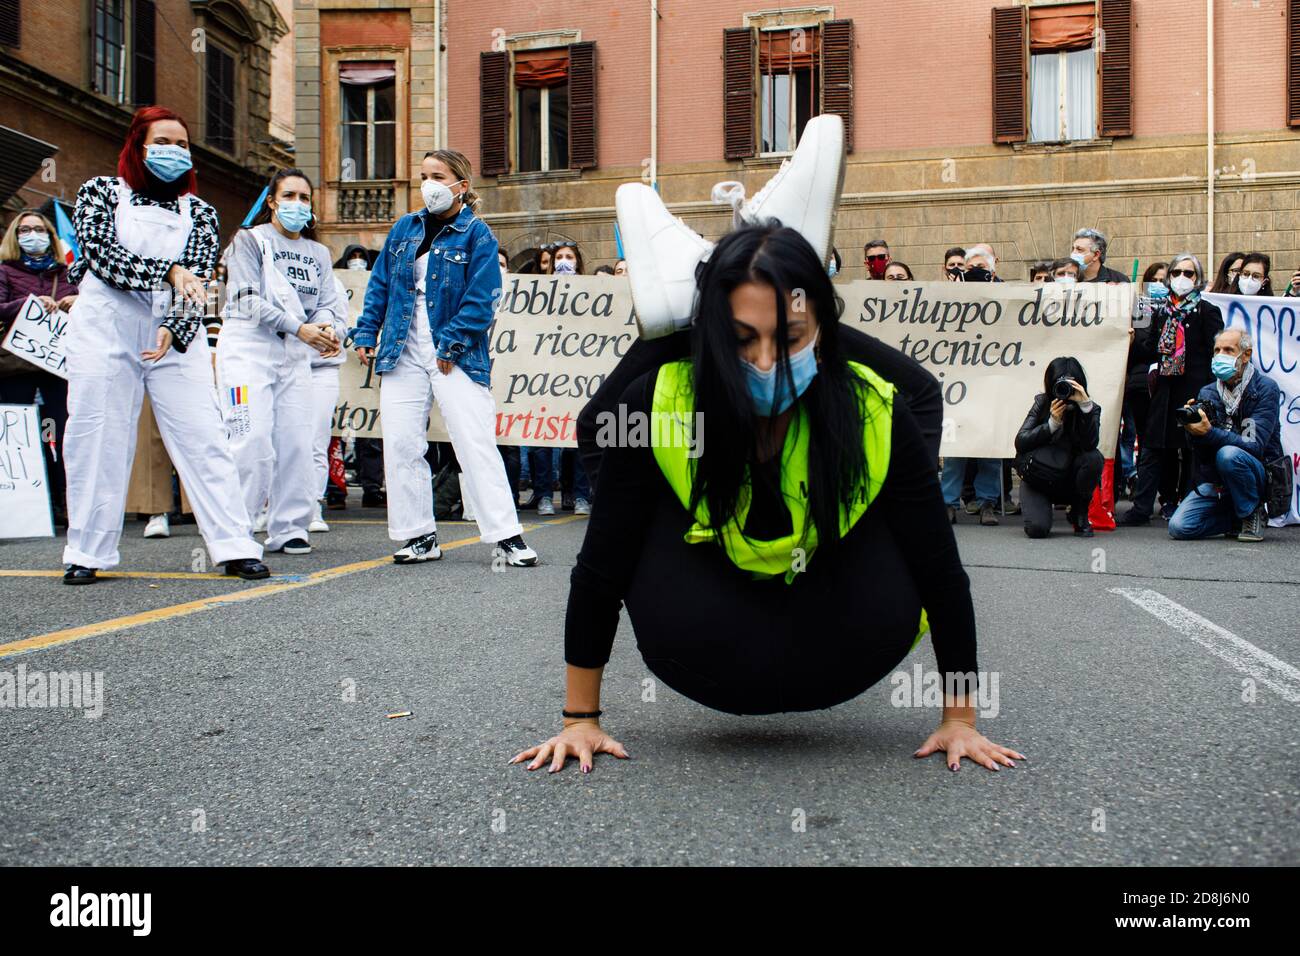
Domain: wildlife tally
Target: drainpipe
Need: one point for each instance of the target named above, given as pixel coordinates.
(654, 94)
(1209, 134)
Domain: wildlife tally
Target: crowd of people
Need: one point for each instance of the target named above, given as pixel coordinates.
(744, 331)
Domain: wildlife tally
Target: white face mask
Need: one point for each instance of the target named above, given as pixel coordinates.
(359, 264)
(565, 267)
(1181, 285)
(1249, 285)
(438, 198)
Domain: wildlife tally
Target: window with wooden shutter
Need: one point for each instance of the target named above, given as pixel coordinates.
(10, 22)
(494, 96)
(143, 71)
(582, 105)
(1010, 74)
(837, 74)
(739, 76)
(1117, 68)
(1293, 63)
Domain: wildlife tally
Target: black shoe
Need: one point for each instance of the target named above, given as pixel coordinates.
(76, 574)
(294, 546)
(530, 504)
(374, 499)
(1134, 519)
(567, 501)
(336, 504)
(250, 569)
(1082, 526)
(1252, 527)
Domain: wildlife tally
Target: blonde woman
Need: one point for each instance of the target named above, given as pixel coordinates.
(429, 304)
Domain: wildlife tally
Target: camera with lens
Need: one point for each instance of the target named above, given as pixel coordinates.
(1062, 389)
(1191, 414)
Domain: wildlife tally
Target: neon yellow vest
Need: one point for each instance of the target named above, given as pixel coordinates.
(674, 402)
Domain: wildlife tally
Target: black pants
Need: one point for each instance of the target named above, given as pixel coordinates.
(1167, 470)
(21, 389)
(1082, 476)
(370, 464)
(714, 634)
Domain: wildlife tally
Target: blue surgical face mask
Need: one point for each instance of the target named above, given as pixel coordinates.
(294, 216)
(1223, 367)
(169, 163)
(831, 270)
(1080, 258)
(763, 385)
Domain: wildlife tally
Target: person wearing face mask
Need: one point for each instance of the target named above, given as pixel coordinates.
(1253, 279)
(1225, 280)
(429, 304)
(875, 256)
(835, 265)
(32, 263)
(954, 264)
(567, 260)
(1177, 345)
(147, 242)
(1137, 397)
(1233, 444)
(1064, 271)
(1089, 251)
(724, 564)
(283, 309)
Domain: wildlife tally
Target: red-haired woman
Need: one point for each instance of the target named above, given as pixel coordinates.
(147, 242)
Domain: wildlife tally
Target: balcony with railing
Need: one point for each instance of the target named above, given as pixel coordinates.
(373, 201)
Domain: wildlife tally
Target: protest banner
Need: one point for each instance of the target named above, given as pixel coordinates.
(555, 338)
(37, 337)
(553, 341)
(24, 487)
(1273, 326)
(989, 345)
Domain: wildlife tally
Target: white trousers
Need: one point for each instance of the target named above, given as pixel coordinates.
(469, 412)
(266, 399)
(325, 398)
(107, 379)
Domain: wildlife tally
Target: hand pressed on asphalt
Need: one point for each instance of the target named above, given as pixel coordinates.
(581, 739)
(959, 739)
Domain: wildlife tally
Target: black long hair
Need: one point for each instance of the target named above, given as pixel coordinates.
(779, 257)
(1064, 366)
(264, 214)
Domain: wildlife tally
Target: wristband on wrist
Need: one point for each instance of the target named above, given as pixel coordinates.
(581, 715)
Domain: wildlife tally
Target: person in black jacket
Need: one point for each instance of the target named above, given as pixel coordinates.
(1177, 346)
(1057, 451)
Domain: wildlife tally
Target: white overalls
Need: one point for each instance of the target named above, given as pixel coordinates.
(266, 398)
(406, 395)
(325, 398)
(108, 328)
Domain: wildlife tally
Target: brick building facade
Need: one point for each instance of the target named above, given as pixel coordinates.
(1011, 123)
(73, 71)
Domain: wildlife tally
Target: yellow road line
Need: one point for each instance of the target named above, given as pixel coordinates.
(68, 635)
(147, 575)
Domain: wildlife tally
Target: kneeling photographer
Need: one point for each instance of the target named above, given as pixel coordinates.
(1233, 429)
(1056, 450)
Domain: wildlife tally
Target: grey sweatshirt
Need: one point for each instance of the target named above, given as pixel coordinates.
(304, 262)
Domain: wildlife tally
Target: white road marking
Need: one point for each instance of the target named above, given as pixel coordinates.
(1277, 674)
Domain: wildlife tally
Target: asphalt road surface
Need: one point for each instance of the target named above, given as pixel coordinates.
(1151, 683)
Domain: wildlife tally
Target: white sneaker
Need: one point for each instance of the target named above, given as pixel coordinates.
(805, 192)
(516, 553)
(662, 253)
(259, 523)
(318, 523)
(545, 508)
(423, 548)
(158, 527)
(582, 507)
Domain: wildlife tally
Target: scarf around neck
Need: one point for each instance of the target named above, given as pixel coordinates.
(1172, 345)
(1232, 396)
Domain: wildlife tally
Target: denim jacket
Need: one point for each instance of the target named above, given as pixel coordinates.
(461, 290)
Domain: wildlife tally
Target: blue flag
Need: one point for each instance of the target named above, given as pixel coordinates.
(257, 207)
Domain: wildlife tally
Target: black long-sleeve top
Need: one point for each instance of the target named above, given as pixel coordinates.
(910, 500)
(1080, 430)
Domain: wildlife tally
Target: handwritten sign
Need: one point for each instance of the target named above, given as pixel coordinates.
(37, 337)
(24, 487)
